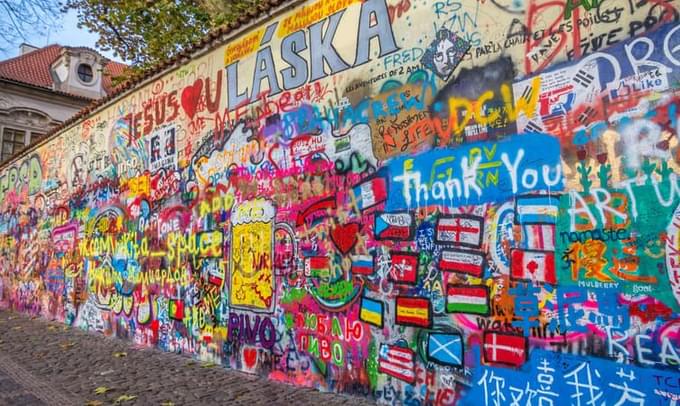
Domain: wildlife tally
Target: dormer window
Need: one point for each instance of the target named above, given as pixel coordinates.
(85, 73)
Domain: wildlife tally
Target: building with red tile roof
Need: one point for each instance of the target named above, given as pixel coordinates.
(43, 87)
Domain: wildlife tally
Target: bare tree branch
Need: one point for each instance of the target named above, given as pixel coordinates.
(23, 18)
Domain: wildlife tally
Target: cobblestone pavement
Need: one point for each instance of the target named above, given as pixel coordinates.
(46, 363)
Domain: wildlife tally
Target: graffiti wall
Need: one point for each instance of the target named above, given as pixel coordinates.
(416, 201)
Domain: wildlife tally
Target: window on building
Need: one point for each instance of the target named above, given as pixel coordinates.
(35, 137)
(12, 141)
(85, 72)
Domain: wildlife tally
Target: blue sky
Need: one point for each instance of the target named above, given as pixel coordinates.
(68, 34)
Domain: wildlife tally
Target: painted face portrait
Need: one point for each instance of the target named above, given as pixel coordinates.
(445, 53)
(444, 61)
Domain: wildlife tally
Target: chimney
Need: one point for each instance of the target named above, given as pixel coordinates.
(25, 48)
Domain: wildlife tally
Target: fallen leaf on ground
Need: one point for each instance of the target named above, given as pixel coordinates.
(52, 328)
(208, 365)
(93, 403)
(168, 403)
(101, 390)
(68, 345)
(125, 398)
(2, 341)
(16, 328)
(120, 354)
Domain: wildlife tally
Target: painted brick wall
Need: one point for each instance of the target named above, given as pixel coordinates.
(420, 202)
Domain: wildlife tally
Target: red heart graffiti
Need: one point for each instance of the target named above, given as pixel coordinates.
(190, 97)
(345, 237)
(250, 357)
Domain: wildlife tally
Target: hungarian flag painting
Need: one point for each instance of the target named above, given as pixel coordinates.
(413, 311)
(398, 362)
(467, 262)
(472, 299)
(534, 265)
(370, 192)
(503, 348)
(463, 230)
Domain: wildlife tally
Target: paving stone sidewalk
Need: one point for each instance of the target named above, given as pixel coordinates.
(46, 363)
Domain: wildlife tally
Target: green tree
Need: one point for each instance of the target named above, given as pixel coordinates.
(145, 32)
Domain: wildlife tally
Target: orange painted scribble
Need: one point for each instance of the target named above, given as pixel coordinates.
(590, 257)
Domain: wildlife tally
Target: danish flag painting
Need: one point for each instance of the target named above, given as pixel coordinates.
(502, 348)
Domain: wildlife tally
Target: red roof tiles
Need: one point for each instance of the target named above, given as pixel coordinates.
(263, 9)
(33, 68)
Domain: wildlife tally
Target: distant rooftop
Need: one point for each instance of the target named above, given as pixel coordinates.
(34, 67)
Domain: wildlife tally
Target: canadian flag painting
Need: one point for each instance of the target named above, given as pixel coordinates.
(503, 348)
(533, 265)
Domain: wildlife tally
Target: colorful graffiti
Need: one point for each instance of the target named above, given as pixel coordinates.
(420, 202)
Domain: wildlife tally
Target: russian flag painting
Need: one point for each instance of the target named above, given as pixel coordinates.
(362, 264)
(371, 311)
